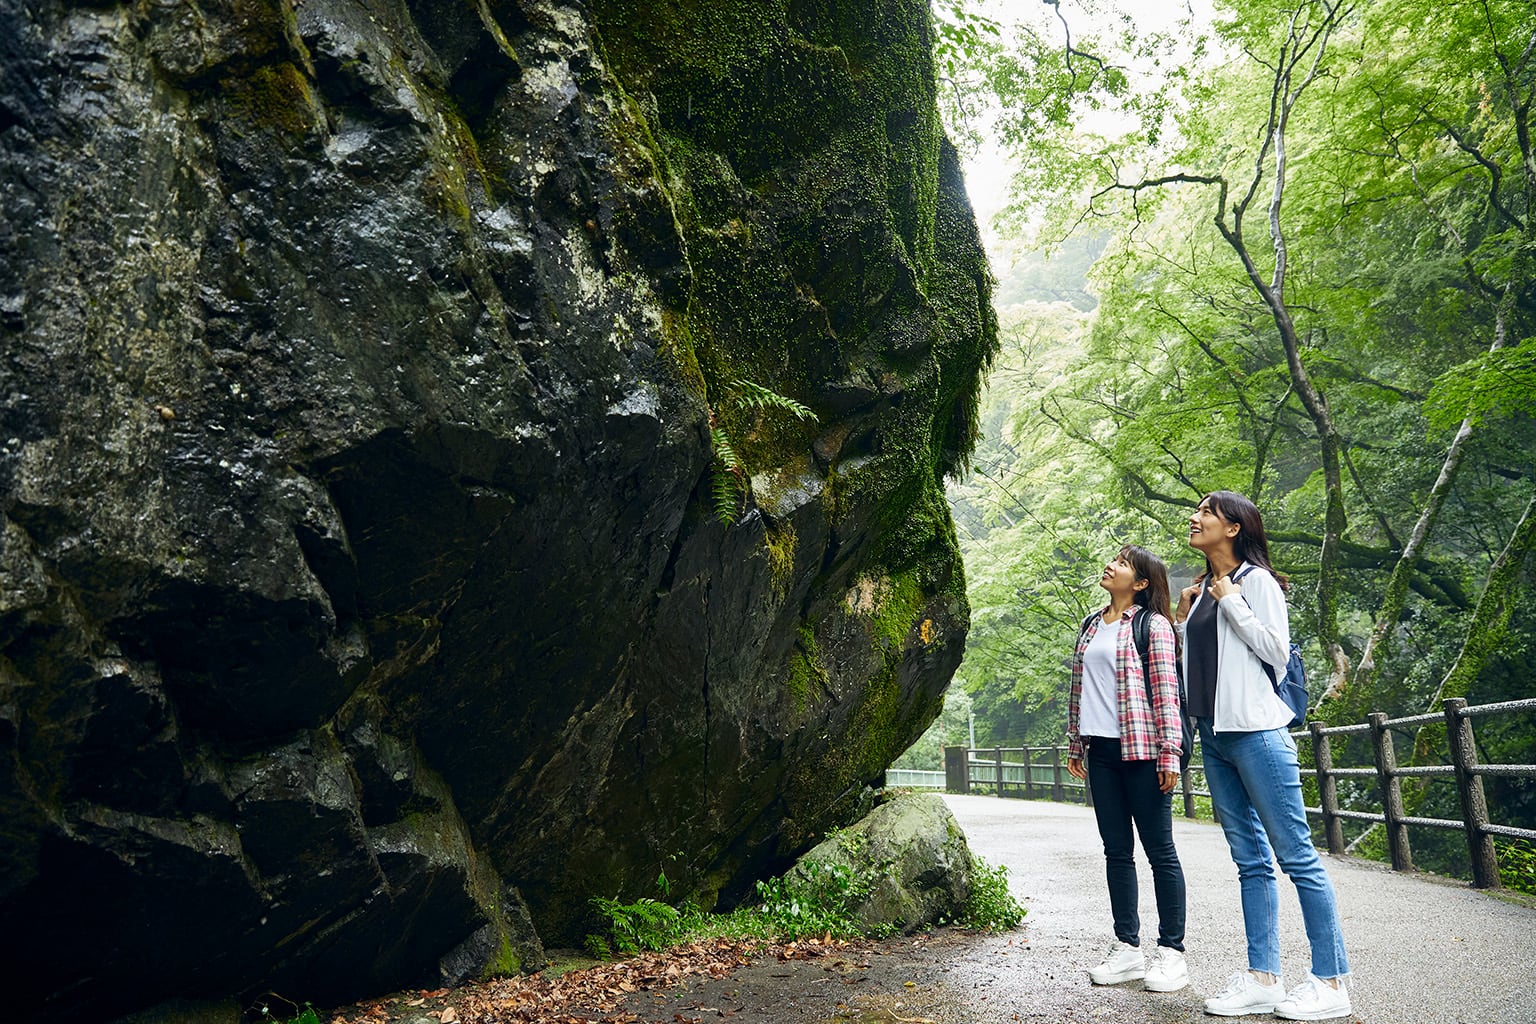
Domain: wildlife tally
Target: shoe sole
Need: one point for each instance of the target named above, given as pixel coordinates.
(1115, 979)
(1318, 1015)
(1153, 985)
(1245, 1011)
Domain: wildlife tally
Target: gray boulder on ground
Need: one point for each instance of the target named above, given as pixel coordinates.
(917, 855)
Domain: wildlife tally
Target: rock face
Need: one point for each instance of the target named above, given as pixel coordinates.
(363, 601)
(915, 849)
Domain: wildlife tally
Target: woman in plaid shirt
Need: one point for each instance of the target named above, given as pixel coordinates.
(1128, 726)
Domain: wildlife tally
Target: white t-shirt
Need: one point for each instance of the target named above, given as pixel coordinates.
(1099, 707)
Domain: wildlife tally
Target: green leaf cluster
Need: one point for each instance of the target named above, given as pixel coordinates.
(991, 907)
(1407, 218)
(645, 924)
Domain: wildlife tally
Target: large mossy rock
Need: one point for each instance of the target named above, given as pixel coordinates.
(363, 604)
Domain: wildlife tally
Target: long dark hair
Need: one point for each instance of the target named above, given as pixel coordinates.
(1250, 545)
(1150, 568)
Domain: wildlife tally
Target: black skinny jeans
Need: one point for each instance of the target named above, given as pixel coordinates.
(1126, 792)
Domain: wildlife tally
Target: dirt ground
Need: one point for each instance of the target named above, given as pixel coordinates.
(1422, 951)
(904, 980)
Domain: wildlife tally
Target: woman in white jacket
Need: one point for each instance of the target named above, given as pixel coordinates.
(1231, 631)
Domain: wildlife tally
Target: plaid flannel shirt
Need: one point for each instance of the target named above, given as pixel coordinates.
(1145, 732)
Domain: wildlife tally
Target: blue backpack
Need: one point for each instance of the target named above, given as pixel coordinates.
(1292, 687)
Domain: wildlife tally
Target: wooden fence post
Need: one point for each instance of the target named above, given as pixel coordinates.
(957, 769)
(1469, 785)
(997, 755)
(1058, 793)
(1327, 790)
(1391, 792)
(1188, 789)
(1029, 771)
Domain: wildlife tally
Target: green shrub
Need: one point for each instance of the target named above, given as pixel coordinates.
(305, 1016)
(991, 907)
(1517, 865)
(818, 900)
(643, 924)
(821, 899)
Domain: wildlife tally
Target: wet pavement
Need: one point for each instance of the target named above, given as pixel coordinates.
(1423, 950)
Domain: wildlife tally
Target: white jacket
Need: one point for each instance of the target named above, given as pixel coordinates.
(1250, 626)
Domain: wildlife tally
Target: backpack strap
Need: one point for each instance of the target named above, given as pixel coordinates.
(1269, 669)
(1141, 634)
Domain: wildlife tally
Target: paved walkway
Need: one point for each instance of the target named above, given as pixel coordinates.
(1423, 951)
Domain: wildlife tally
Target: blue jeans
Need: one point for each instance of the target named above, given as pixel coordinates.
(1125, 792)
(1255, 784)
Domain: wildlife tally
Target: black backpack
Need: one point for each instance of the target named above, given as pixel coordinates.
(1141, 635)
(1292, 687)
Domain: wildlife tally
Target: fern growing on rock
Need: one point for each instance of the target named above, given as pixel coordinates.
(729, 483)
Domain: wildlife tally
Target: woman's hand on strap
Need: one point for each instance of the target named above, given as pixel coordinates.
(1186, 601)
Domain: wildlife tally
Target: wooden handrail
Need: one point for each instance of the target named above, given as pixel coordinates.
(1464, 767)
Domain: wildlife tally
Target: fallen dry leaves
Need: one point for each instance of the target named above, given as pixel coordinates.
(594, 993)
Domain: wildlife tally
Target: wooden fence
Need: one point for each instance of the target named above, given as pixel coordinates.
(1030, 772)
(1022, 770)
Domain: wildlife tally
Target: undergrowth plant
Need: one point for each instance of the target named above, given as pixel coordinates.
(1517, 865)
(645, 924)
(990, 906)
(304, 1016)
(820, 899)
(728, 474)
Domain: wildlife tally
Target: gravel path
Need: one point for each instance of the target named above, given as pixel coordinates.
(1423, 950)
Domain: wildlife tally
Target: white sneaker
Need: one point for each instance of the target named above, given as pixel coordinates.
(1166, 970)
(1243, 993)
(1315, 999)
(1123, 962)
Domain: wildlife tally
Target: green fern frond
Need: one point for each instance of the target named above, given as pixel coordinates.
(725, 454)
(725, 490)
(748, 395)
(728, 475)
(644, 924)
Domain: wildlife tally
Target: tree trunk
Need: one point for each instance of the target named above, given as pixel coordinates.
(1379, 645)
(1299, 63)
(1490, 621)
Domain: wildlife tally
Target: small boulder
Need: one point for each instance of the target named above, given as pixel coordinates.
(916, 857)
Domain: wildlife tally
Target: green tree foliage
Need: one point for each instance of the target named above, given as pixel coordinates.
(1316, 288)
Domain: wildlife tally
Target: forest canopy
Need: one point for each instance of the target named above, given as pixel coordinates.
(1305, 236)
